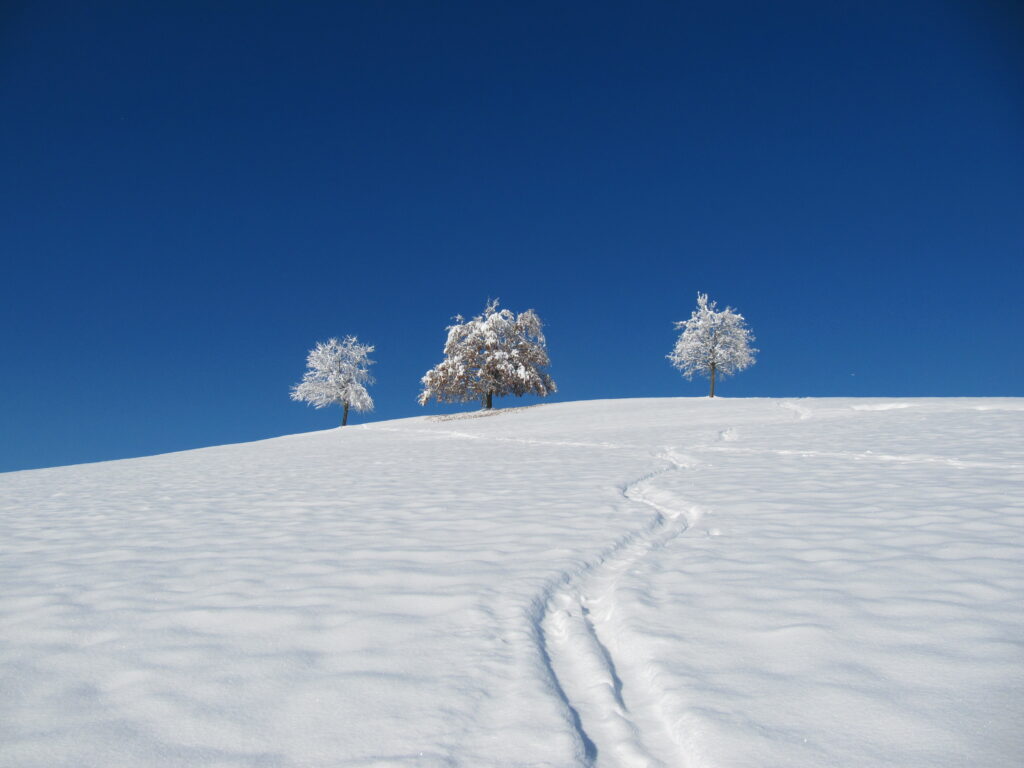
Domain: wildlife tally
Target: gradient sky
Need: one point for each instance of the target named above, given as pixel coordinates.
(192, 194)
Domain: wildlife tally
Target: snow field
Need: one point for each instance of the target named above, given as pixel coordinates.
(616, 583)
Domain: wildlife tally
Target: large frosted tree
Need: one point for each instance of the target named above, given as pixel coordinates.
(712, 343)
(338, 375)
(497, 353)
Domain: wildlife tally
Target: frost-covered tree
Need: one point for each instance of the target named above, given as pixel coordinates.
(496, 353)
(338, 374)
(712, 343)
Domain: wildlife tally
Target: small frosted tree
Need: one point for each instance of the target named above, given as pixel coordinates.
(713, 343)
(338, 375)
(496, 353)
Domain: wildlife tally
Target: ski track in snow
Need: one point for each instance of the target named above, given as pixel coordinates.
(619, 716)
(617, 725)
(870, 456)
(571, 621)
(448, 433)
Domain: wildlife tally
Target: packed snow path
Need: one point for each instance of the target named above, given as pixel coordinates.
(618, 583)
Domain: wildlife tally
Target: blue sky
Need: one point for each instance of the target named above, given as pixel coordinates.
(195, 193)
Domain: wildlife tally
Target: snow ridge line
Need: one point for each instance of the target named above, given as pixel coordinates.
(571, 626)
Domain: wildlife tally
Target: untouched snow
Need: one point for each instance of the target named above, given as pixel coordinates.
(667, 582)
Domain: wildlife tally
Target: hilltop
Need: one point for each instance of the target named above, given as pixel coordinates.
(677, 582)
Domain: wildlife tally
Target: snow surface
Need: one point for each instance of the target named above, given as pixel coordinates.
(677, 582)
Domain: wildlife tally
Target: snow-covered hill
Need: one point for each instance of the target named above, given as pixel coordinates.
(677, 582)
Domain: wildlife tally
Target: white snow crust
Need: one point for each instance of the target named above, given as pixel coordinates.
(664, 582)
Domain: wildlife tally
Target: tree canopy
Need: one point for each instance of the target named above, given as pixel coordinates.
(713, 342)
(495, 353)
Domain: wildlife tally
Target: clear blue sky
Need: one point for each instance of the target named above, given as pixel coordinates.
(192, 194)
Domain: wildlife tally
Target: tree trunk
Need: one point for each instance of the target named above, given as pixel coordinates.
(489, 402)
(712, 379)
(344, 415)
